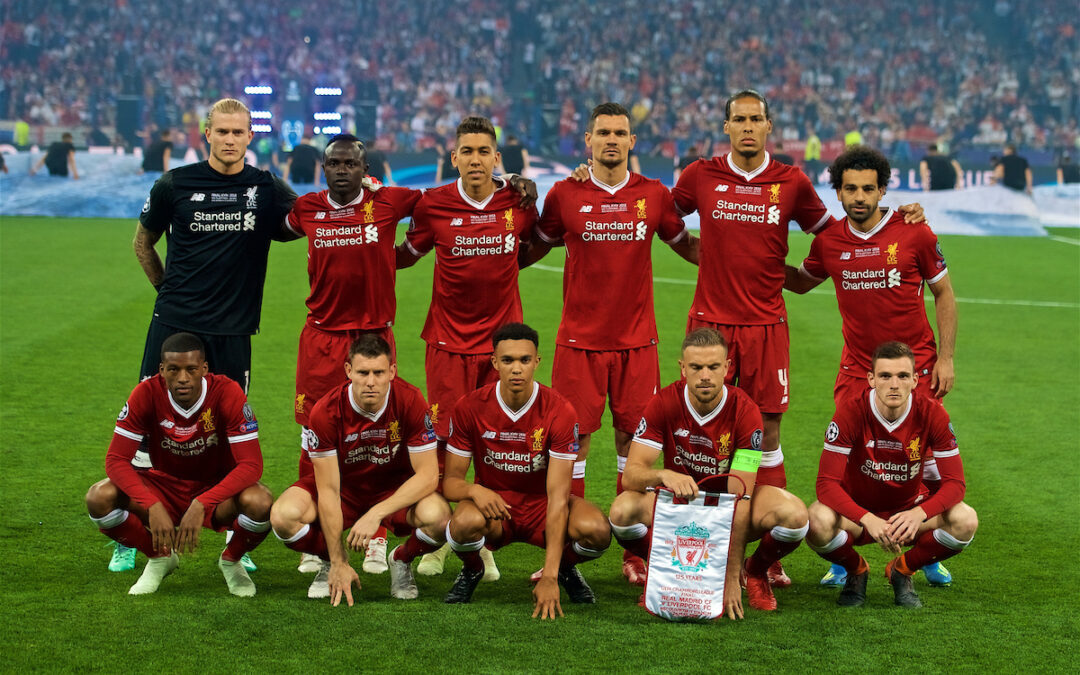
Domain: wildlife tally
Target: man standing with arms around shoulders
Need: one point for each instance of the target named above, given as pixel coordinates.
(203, 440)
(476, 225)
(607, 223)
(704, 428)
(363, 475)
(523, 438)
(870, 486)
(746, 200)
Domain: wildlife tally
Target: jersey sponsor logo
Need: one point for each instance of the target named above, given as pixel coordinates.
(894, 278)
(515, 461)
(372, 454)
(701, 463)
(488, 435)
(123, 413)
(457, 222)
(584, 209)
(198, 196)
(207, 419)
(682, 433)
(222, 197)
(869, 279)
(612, 208)
(508, 219)
(249, 222)
(252, 197)
(832, 433)
(300, 403)
(642, 426)
(395, 431)
(845, 255)
(614, 231)
(774, 193)
(722, 187)
(748, 190)
(756, 438)
(369, 212)
(321, 215)
(890, 472)
(742, 212)
(352, 437)
(913, 452)
(346, 235)
(538, 439)
(488, 244)
(220, 221)
(891, 252)
(195, 446)
(774, 215)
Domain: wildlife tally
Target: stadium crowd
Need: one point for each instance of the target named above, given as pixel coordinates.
(966, 74)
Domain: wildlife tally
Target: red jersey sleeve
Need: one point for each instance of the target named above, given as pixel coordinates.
(421, 436)
(650, 430)
(532, 217)
(294, 219)
(130, 430)
(403, 200)
(421, 237)
(671, 228)
(947, 455)
(321, 435)
(550, 227)
(809, 211)
(243, 435)
(928, 255)
(748, 427)
(563, 437)
(460, 438)
(814, 262)
(839, 441)
(685, 190)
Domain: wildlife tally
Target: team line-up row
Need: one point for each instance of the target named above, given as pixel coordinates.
(484, 228)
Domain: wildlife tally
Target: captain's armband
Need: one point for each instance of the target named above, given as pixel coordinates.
(746, 460)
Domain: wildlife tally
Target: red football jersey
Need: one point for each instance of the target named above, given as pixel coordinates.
(216, 441)
(879, 279)
(607, 280)
(351, 256)
(744, 235)
(475, 288)
(368, 445)
(871, 464)
(699, 446)
(510, 450)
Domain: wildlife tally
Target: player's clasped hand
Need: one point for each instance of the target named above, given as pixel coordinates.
(162, 529)
(341, 579)
(362, 531)
(682, 485)
(187, 536)
(878, 530)
(546, 594)
(493, 506)
(904, 526)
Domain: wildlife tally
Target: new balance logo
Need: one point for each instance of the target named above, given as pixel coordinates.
(488, 435)
(456, 222)
(683, 433)
(198, 197)
(722, 187)
(351, 437)
(846, 255)
(321, 215)
(586, 209)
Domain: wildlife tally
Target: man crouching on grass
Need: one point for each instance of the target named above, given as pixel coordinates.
(203, 441)
(524, 439)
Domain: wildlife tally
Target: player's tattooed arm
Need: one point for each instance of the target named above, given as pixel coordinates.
(148, 256)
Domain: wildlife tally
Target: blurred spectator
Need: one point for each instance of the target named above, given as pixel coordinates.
(515, 158)
(1013, 171)
(378, 165)
(781, 156)
(159, 153)
(939, 172)
(304, 164)
(1068, 171)
(59, 156)
(686, 160)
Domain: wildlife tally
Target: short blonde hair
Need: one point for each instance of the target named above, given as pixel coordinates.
(226, 106)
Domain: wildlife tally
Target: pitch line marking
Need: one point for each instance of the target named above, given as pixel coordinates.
(821, 291)
(1065, 240)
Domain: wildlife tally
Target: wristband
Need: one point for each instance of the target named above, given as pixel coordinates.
(746, 460)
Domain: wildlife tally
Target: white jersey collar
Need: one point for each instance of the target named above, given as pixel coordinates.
(371, 416)
(702, 420)
(500, 183)
(516, 415)
(335, 205)
(610, 189)
(877, 228)
(890, 426)
(749, 176)
(194, 406)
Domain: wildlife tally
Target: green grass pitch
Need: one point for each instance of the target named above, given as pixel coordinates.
(74, 307)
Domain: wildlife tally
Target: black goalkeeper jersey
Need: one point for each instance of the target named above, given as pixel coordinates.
(218, 230)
